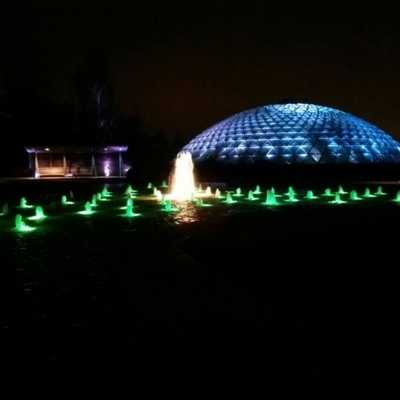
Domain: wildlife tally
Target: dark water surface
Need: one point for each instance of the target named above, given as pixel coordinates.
(67, 324)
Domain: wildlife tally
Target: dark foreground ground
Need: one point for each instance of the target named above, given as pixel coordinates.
(293, 302)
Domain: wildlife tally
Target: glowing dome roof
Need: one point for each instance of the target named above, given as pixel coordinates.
(294, 134)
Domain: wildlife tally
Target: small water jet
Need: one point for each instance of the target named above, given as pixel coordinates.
(354, 195)
(290, 191)
(200, 203)
(337, 200)
(257, 191)
(229, 199)
(291, 198)
(94, 200)
(23, 203)
(341, 191)
(5, 209)
(310, 195)
(164, 184)
(328, 192)
(20, 224)
(101, 198)
(273, 192)
(53, 205)
(88, 209)
(158, 195)
(251, 196)
(169, 207)
(130, 213)
(129, 203)
(397, 197)
(64, 200)
(367, 193)
(218, 194)
(39, 214)
(208, 191)
(149, 185)
(270, 198)
(379, 191)
(105, 192)
(238, 192)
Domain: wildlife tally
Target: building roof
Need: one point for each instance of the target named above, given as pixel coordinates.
(76, 149)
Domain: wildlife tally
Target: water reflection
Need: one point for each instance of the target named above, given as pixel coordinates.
(187, 213)
(70, 256)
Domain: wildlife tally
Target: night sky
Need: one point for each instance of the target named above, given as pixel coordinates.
(184, 67)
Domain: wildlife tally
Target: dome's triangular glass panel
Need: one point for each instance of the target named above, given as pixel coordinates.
(294, 134)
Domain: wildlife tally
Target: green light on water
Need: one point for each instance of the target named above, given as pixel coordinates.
(20, 225)
(354, 196)
(270, 199)
(291, 198)
(218, 194)
(130, 215)
(379, 191)
(200, 203)
(39, 214)
(238, 192)
(397, 199)
(310, 195)
(229, 199)
(367, 193)
(35, 218)
(169, 207)
(337, 199)
(5, 209)
(88, 209)
(64, 201)
(25, 228)
(129, 212)
(257, 191)
(251, 196)
(290, 191)
(328, 192)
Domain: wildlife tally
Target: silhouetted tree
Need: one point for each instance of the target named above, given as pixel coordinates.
(95, 90)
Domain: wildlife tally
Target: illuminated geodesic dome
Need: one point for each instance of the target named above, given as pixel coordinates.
(294, 133)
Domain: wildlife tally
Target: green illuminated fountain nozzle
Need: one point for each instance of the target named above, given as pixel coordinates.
(88, 209)
(20, 225)
(39, 214)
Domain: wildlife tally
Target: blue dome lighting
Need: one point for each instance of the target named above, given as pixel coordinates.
(294, 133)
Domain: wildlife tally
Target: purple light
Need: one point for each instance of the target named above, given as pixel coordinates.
(107, 169)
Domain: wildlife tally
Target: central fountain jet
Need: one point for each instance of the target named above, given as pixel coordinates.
(182, 180)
